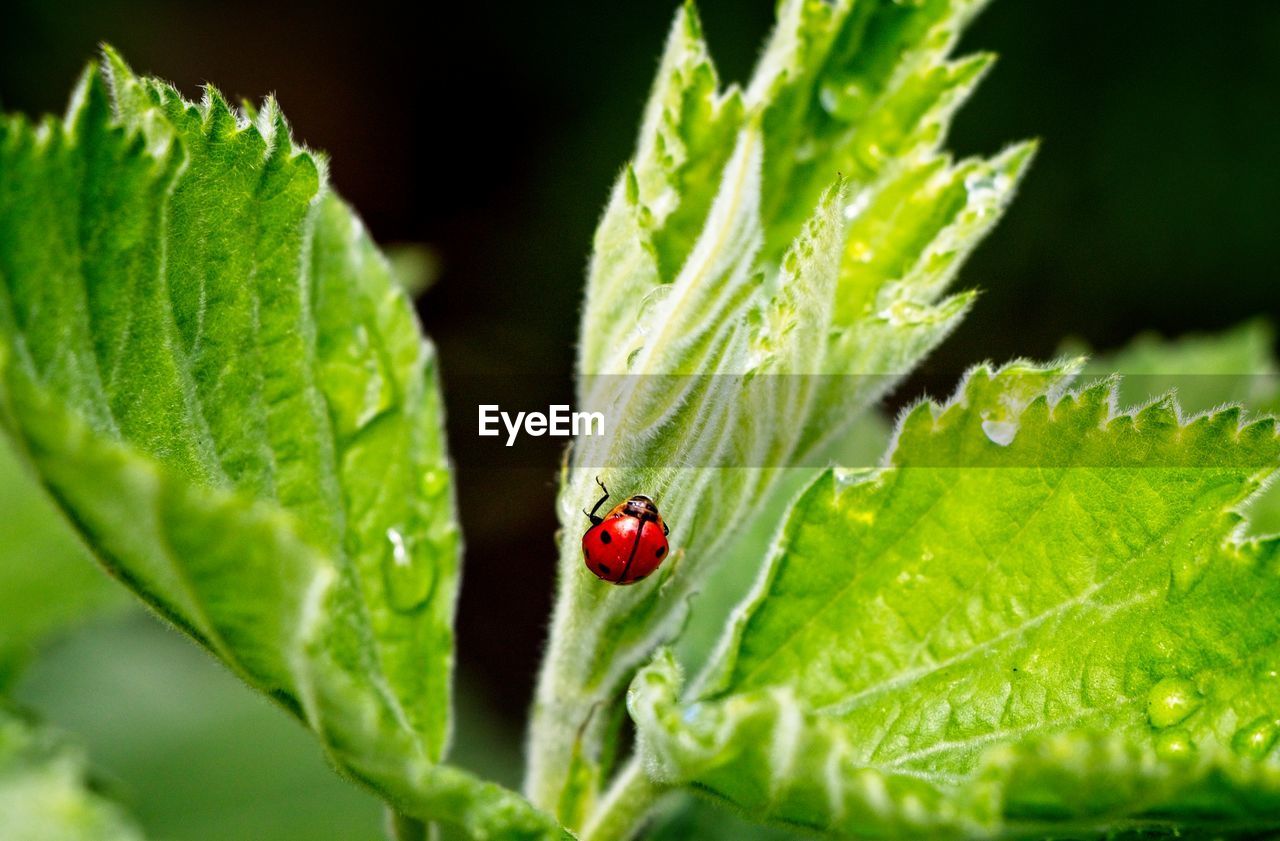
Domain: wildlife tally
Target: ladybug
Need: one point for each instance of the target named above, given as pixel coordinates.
(627, 544)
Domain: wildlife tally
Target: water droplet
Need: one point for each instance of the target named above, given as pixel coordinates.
(1174, 746)
(986, 186)
(1256, 738)
(849, 476)
(408, 579)
(1171, 701)
(843, 99)
(649, 304)
(1000, 432)
(434, 483)
(907, 314)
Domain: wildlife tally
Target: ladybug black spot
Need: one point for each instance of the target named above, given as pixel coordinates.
(605, 538)
(662, 550)
(605, 569)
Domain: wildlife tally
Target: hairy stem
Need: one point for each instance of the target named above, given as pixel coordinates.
(403, 828)
(621, 812)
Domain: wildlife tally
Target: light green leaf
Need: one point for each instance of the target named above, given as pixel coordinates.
(211, 368)
(47, 581)
(1040, 620)
(730, 582)
(1206, 370)
(661, 199)
(44, 791)
(772, 261)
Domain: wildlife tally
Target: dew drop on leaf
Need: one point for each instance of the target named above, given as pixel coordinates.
(434, 484)
(1256, 738)
(408, 580)
(986, 186)
(647, 313)
(906, 314)
(1171, 701)
(1174, 746)
(843, 99)
(1000, 432)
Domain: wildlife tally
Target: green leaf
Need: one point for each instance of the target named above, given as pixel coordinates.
(774, 259)
(730, 582)
(692, 817)
(1206, 370)
(44, 791)
(210, 366)
(1040, 620)
(48, 583)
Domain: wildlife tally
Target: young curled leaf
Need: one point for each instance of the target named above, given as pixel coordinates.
(771, 262)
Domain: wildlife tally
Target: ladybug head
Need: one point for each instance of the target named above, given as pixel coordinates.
(641, 506)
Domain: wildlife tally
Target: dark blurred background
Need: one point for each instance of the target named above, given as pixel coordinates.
(493, 133)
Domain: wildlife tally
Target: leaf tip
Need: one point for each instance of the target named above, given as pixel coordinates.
(971, 68)
(114, 64)
(689, 20)
(1016, 159)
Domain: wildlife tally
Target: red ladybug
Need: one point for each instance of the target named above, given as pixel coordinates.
(628, 543)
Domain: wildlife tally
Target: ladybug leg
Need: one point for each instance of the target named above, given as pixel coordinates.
(666, 529)
(591, 515)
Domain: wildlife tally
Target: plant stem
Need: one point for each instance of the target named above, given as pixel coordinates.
(403, 828)
(620, 813)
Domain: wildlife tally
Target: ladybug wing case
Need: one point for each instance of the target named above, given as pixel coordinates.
(624, 550)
